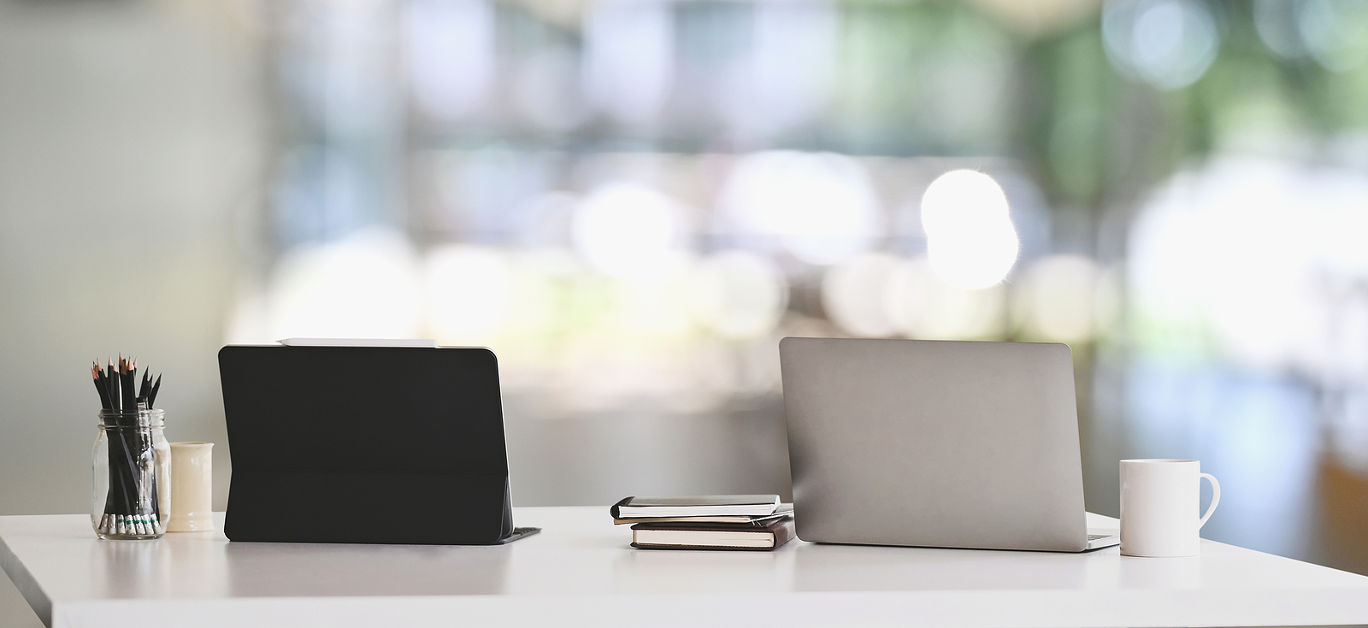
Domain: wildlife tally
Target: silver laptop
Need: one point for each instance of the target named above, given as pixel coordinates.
(934, 443)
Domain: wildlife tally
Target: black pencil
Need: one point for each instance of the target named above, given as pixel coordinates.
(116, 390)
(152, 397)
(129, 399)
(112, 379)
(105, 379)
(99, 385)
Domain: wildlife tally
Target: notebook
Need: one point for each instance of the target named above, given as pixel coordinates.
(784, 510)
(696, 506)
(760, 536)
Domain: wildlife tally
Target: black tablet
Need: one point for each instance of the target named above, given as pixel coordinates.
(365, 445)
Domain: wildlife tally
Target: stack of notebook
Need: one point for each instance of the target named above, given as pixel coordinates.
(742, 522)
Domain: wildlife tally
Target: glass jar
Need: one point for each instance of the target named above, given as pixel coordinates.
(131, 463)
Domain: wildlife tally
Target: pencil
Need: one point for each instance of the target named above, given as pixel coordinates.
(129, 399)
(99, 385)
(152, 397)
(108, 384)
(116, 390)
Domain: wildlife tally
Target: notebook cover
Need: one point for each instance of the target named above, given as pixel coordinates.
(780, 531)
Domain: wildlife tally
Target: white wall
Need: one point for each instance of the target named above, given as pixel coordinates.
(130, 154)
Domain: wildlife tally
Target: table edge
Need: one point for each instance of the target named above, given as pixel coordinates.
(26, 583)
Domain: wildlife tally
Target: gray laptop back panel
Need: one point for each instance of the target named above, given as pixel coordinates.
(934, 443)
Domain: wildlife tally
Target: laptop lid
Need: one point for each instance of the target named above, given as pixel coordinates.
(365, 445)
(934, 443)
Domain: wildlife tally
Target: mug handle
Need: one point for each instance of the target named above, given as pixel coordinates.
(1215, 499)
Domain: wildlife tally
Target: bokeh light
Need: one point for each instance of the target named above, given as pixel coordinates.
(738, 294)
(820, 207)
(651, 309)
(1250, 251)
(1166, 43)
(970, 238)
(468, 290)
(918, 303)
(362, 286)
(1276, 23)
(628, 229)
(627, 58)
(785, 79)
(854, 291)
(1065, 298)
(1332, 31)
(449, 55)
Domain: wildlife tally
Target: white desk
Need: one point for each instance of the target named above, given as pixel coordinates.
(580, 571)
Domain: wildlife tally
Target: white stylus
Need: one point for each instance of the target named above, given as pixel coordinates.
(359, 342)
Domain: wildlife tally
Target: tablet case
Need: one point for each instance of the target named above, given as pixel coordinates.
(366, 445)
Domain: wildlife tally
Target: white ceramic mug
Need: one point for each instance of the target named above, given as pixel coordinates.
(192, 487)
(1159, 499)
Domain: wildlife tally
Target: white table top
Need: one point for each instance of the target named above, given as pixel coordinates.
(580, 571)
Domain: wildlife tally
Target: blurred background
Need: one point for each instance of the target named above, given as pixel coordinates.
(631, 201)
